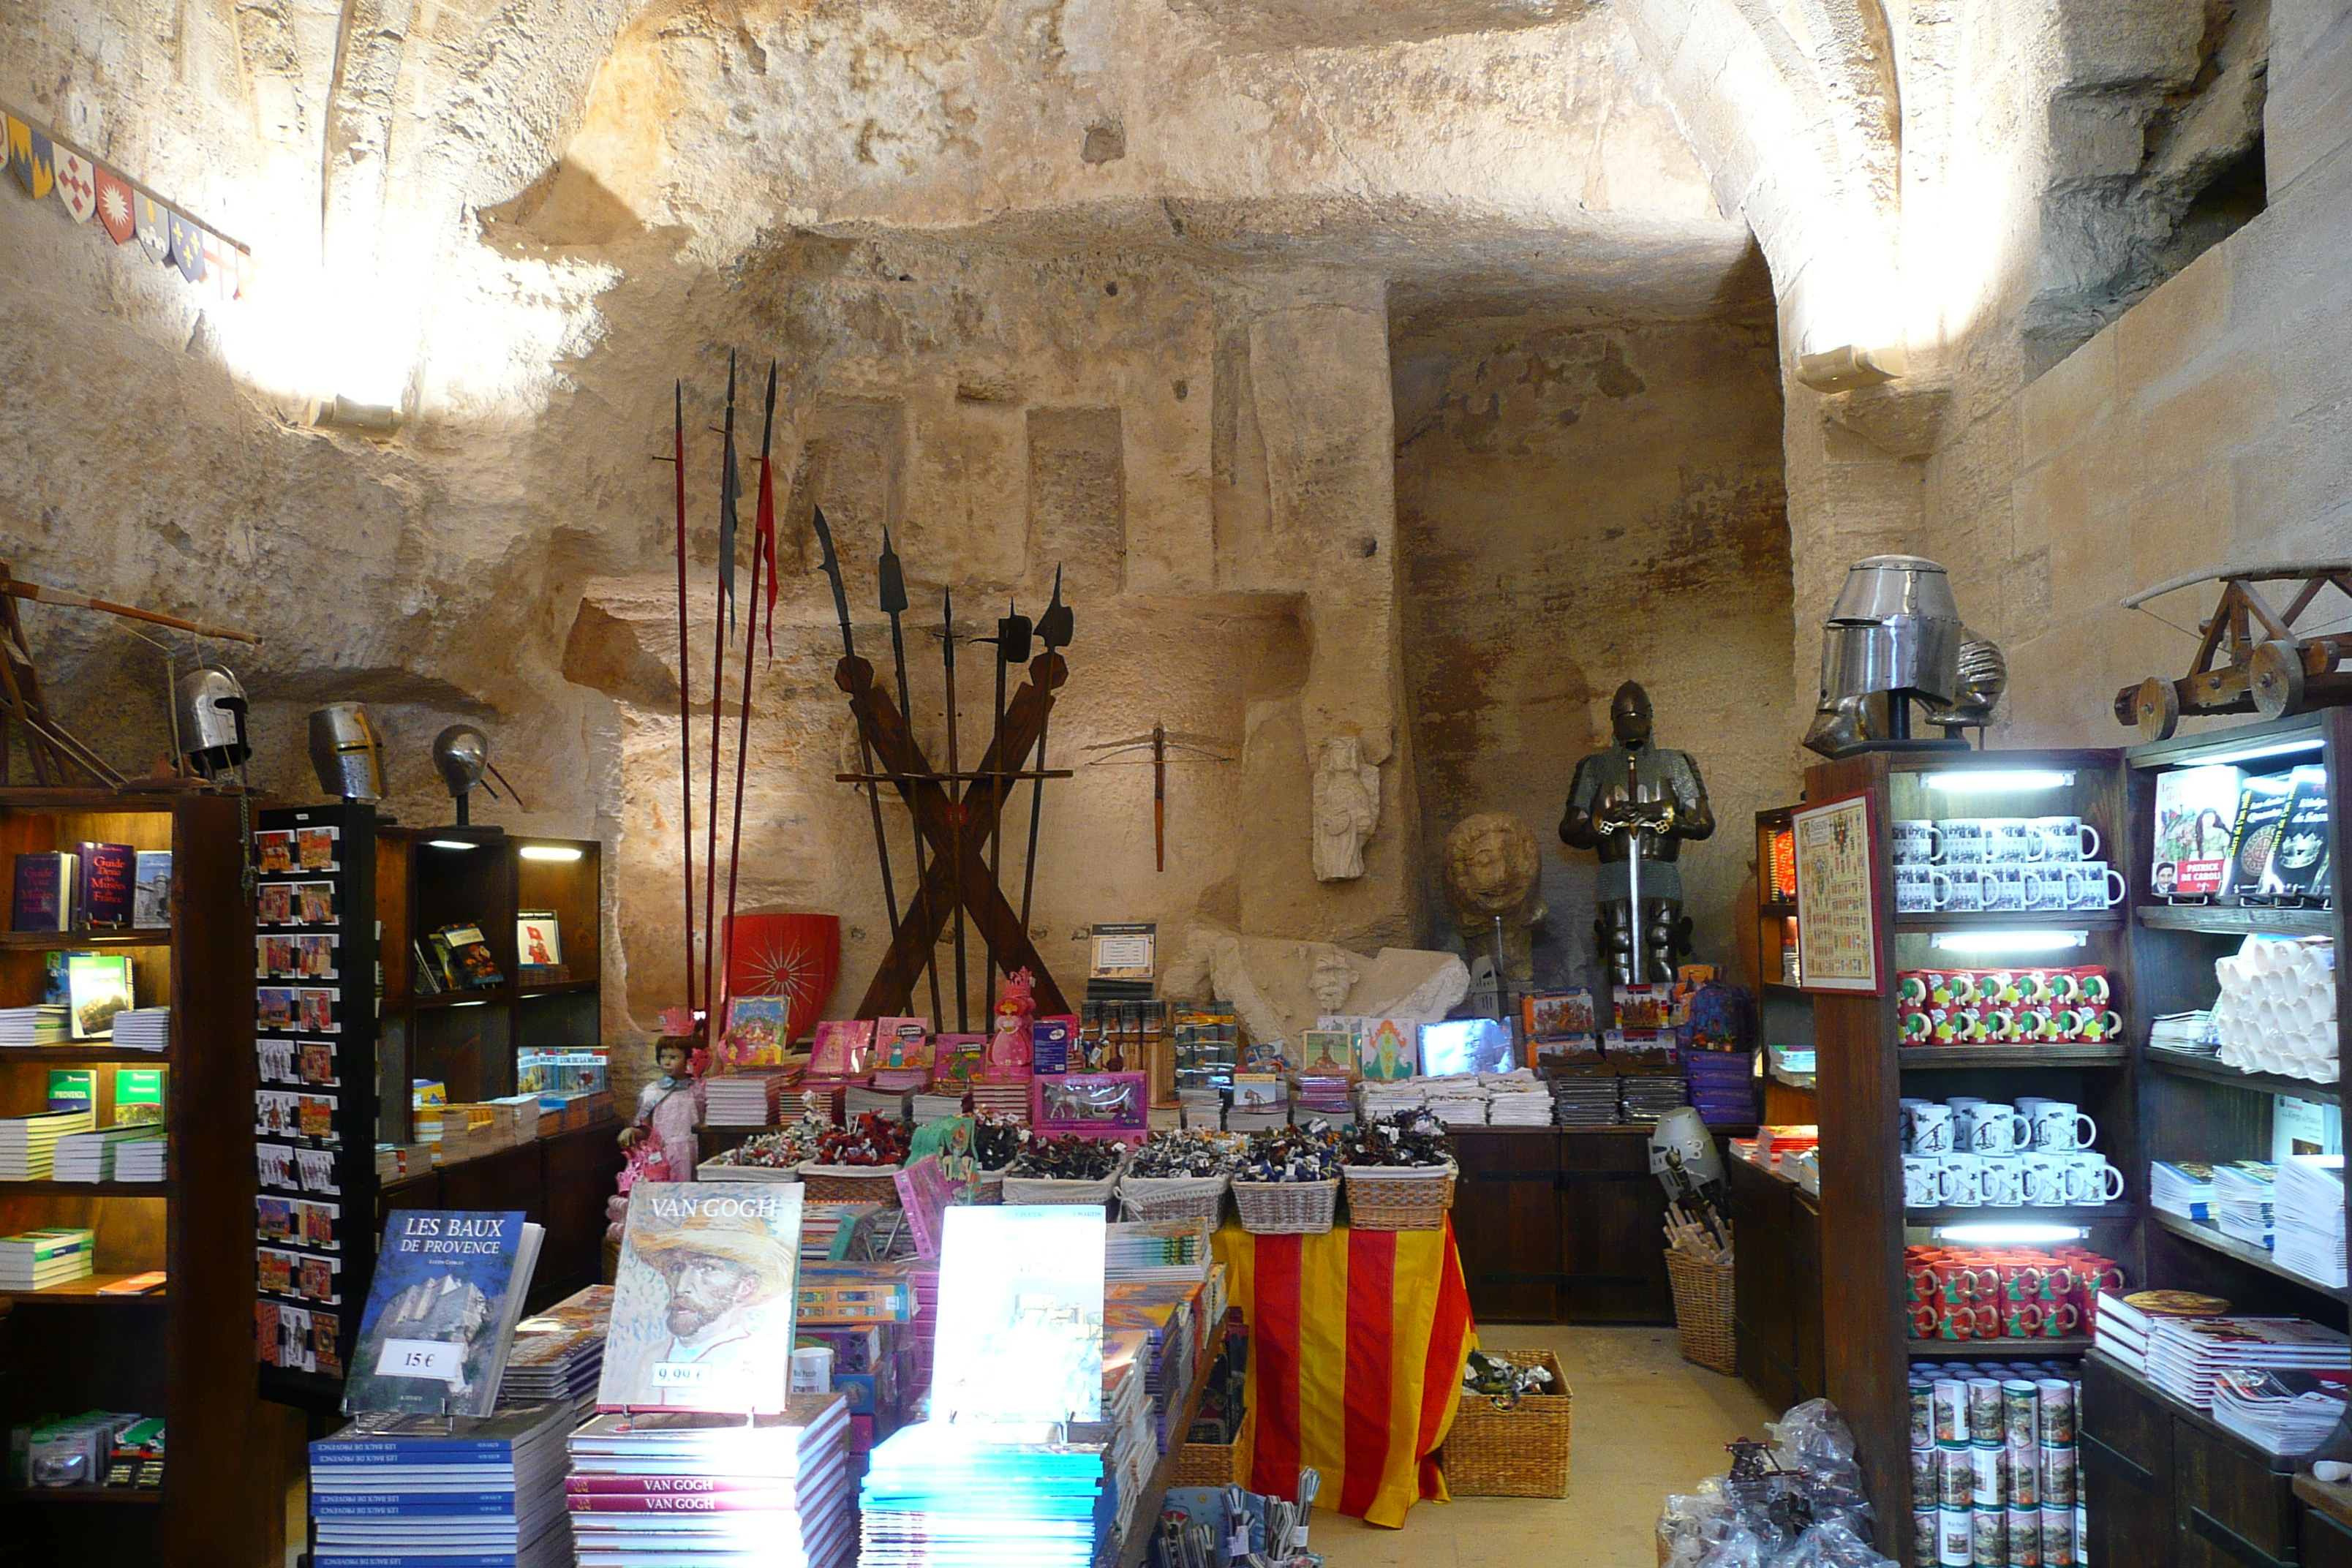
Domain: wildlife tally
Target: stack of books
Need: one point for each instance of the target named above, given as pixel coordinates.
(857, 1100)
(2309, 1207)
(1387, 1096)
(35, 1026)
(98, 1156)
(2120, 1329)
(558, 1354)
(2279, 1413)
(938, 1492)
(143, 1029)
(1722, 1085)
(28, 1145)
(1125, 1430)
(1323, 1095)
(38, 1259)
(2187, 1355)
(1647, 1099)
(2241, 1201)
(742, 1100)
(2183, 1187)
(416, 1489)
(1585, 1100)
(1519, 1102)
(670, 1487)
(1157, 1249)
(2185, 1032)
(1009, 1098)
(141, 1159)
(925, 1109)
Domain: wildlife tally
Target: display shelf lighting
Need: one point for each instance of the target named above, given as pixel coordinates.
(2017, 1235)
(2022, 941)
(450, 844)
(2254, 753)
(550, 852)
(2005, 780)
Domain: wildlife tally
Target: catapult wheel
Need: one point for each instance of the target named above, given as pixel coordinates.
(2156, 709)
(2274, 674)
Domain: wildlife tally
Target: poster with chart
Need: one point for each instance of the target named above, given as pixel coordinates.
(1837, 897)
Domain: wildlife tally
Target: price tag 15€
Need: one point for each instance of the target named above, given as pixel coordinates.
(443, 1360)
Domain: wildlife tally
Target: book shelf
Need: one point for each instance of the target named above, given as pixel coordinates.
(2165, 1484)
(184, 1353)
(1862, 1072)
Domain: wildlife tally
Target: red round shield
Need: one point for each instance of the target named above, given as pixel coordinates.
(794, 955)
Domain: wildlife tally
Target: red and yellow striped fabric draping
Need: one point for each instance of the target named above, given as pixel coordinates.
(1357, 1344)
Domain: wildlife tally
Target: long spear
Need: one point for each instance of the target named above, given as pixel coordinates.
(719, 621)
(864, 745)
(685, 672)
(1011, 640)
(892, 580)
(1056, 627)
(762, 530)
(955, 801)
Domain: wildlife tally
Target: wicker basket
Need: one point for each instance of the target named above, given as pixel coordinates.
(713, 1171)
(1287, 1209)
(850, 1185)
(1217, 1463)
(1703, 1311)
(1044, 1189)
(1510, 1447)
(987, 1188)
(1399, 1197)
(1174, 1197)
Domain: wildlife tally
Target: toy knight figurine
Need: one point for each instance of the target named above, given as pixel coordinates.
(1636, 804)
(1347, 808)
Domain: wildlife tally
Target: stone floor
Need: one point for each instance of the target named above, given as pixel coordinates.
(1646, 1423)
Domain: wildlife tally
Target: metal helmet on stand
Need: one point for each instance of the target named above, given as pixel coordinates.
(461, 754)
(1894, 637)
(211, 719)
(346, 752)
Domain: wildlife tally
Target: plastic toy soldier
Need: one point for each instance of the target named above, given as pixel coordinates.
(1636, 804)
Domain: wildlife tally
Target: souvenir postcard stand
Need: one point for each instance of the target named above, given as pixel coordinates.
(2165, 1484)
(316, 1095)
(184, 1353)
(1863, 1071)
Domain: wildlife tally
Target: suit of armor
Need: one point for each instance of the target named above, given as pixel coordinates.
(1636, 804)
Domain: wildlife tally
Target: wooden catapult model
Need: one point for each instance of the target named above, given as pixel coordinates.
(2249, 657)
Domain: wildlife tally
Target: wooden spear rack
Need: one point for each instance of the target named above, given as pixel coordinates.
(955, 814)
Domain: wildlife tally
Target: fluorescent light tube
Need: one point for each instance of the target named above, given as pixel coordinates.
(1990, 780)
(2008, 1235)
(550, 852)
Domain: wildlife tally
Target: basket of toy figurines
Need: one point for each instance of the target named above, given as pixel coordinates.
(1288, 1182)
(1073, 1169)
(858, 1164)
(1400, 1173)
(1510, 1434)
(1180, 1174)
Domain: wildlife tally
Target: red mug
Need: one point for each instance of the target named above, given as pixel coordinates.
(2020, 1319)
(2059, 1320)
(1955, 1322)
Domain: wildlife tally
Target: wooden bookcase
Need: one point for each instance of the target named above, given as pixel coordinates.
(1862, 1072)
(2165, 1484)
(186, 1354)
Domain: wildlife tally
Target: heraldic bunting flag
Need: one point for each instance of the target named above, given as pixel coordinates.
(31, 157)
(1357, 1339)
(114, 205)
(76, 186)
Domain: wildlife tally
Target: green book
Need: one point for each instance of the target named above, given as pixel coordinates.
(138, 1096)
(41, 1246)
(73, 1088)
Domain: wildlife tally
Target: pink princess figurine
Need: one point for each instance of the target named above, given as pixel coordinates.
(659, 1139)
(1009, 1042)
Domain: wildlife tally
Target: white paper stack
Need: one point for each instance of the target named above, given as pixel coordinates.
(2185, 1032)
(2121, 1332)
(143, 1029)
(2241, 1201)
(2309, 1209)
(1157, 1249)
(38, 1026)
(1386, 1098)
(1516, 1102)
(654, 1489)
(2185, 1355)
(925, 1109)
(741, 1099)
(98, 1156)
(2182, 1187)
(29, 1144)
(419, 1488)
(858, 1099)
(2279, 1412)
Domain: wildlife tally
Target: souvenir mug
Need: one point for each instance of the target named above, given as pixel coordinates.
(2045, 889)
(1917, 889)
(1915, 843)
(1964, 1177)
(2020, 1319)
(1931, 1129)
(1962, 840)
(2012, 840)
(1914, 1025)
(2004, 1181)
(2092, 885)
(1963, 889)
(2090, 1179)
(2059, 1126)
(1922, 1182)
(1994, 1130)
(2067, 838)
(2003, 886)
(1912, 987)
(2044, 1181)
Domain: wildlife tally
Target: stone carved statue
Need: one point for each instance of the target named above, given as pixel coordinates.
(1636, 804)
(1347, 808)
(1281, 987)
(1493, 868)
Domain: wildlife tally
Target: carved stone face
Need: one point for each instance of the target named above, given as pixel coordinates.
(1491, 864)
(1332, 979)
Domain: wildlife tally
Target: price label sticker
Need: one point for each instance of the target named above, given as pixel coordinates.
(441, 1360)
(681, 1374)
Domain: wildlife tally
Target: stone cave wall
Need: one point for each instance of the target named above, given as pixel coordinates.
(1584, 501)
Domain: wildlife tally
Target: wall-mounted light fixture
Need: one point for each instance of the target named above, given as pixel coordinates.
(1849, 367)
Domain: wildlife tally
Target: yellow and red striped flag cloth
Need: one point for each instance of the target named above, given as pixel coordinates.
(1357, 1344)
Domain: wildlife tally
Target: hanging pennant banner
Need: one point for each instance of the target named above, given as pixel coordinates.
(152, 221)
(217, 269)
(114, 205)
(20, 150)
(187, 247)
(76, 186)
